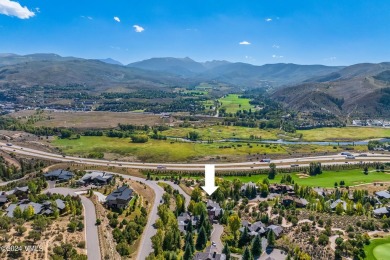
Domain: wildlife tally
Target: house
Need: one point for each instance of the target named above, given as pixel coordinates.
(46, 208)
(281, 189)
(250, 185)
(119, 198)
(184, 219)
(299, 202)
(20, 192)
(95, 177)
(3, 198)
(209, 254)
(59, 175)
(213, 210)
(334, 204)
(383, 194)
(383, 211)
(256, 228)
(278, 230)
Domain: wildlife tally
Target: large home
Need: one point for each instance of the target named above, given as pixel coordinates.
(46, 208)
(256, 228)
(383, 211)
(299, 202)
(20, 192)
(3, 198)
(281, 189)
(213, 210)
(209, 254)
(278, 230)
(383, 194)
(59, 175)
(334, 204)
(119, 198)
(184, 219)
(95, 177)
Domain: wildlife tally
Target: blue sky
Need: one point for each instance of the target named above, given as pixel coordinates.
(304, 32)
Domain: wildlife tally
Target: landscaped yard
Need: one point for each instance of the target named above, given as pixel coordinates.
(378, 249)
(344, 133)
(326, 179)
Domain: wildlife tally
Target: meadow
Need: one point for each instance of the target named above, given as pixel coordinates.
(169, 151)
(232, 103)
(344, 133)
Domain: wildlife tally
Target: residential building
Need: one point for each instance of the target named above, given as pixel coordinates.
(299, 202)
(209, 254)
(59, 175)
(96, 178)
(46, 208)
(383, 194)
(256, 228)
(119, 198)
(184, 219)
(213, 210)
(278, 230)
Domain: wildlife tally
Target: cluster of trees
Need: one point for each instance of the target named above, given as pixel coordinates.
(127, 232)
(315, 168)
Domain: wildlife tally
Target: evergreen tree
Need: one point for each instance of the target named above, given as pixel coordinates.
(189, 227)
(226, 251)
(244, 238)
(256, 246)
(271, 238)
(247, 254)
(187, 253)
(201, 240)
(17, 212)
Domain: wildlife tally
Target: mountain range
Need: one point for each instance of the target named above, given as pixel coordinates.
(358, 90)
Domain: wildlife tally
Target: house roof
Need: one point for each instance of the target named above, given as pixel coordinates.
(60, 174)
(336, 202)
(122, 193)
(381, 211)
(60, 204)
(209, 254)
(101, 176)
(383, 193)
(37, 208)
(276, 229)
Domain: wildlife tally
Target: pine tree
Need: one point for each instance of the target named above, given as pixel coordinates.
(226, 251)
(201, 240)
(187, 253)
(271, 238)
(17, 212)
(243, 238)
(247, 254)
(256, 246)
(189, 227)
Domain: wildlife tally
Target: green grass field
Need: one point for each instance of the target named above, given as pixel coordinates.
(326, 179)
(343, 134)
(223, 132)
(232, 103)
(165, 151)
(378, 249)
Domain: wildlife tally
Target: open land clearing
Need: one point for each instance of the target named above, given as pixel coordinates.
(166, 151)
(232, 103)
(95, 119)
(344, 133)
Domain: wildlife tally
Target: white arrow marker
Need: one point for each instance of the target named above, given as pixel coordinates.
(209, 176)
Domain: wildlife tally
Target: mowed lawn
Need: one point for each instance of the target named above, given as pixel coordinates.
(326, 179)
(218, 132)
(344, 133)
(232, 103)
(378, 249)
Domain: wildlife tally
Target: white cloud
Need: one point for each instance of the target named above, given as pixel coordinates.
(330, 59)
(277, 56)
(116, 18)
(87, 17)
(11, 8)
(275, 46)
(268, 19)
(244, 43)
(138, 28)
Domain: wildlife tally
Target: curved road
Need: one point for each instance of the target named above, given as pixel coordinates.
(280, 163)
(91, 231)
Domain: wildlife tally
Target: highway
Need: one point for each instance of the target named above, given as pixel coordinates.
(280, 163)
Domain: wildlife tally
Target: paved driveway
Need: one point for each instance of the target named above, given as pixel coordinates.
(92, 239)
